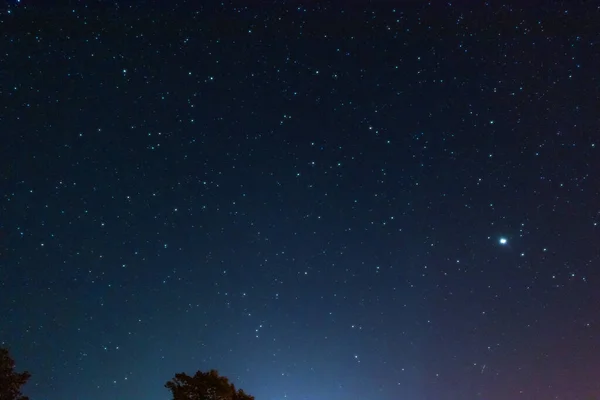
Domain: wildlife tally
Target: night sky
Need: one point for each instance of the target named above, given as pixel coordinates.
(390, 201)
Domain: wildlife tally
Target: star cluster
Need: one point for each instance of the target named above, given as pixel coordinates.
(389, 201)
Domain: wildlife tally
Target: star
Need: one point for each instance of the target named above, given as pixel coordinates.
(270, 195)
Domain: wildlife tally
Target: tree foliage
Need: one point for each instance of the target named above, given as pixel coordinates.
(11, 381)
(204, 386)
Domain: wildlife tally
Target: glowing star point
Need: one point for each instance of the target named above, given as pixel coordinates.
(503, 241)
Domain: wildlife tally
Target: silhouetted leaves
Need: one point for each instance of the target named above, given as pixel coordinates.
(10, 381)
(204, 386)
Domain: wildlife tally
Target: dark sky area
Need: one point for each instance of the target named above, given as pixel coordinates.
(385, 201)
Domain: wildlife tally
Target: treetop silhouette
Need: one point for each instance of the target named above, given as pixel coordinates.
(204, 386)
(11, 381)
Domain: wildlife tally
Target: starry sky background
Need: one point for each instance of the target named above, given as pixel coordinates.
(308, 198)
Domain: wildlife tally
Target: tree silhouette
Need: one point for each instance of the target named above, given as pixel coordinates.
(11, 381)
(204, 386)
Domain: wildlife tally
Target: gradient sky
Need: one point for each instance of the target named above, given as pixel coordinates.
(387, 202)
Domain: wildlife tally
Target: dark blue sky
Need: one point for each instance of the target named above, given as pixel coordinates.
(391, 201)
